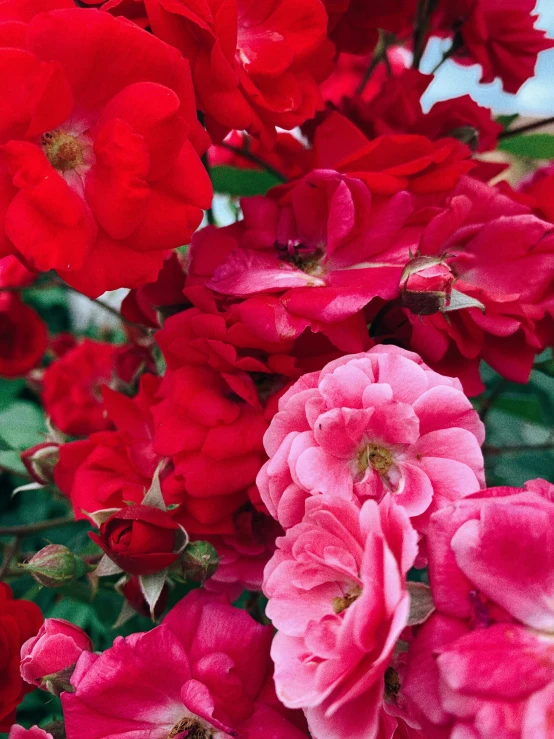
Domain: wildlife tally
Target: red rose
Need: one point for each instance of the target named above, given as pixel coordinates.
(500, 35)
(23, 336)
(144, 304)
(111, 467)
(99, 166)
(71, 388)
(397, 109)
(140, 539)
(19, 620)
(255, 64)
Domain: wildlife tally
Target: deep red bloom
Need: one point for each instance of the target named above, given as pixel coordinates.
(164, 296)
(111, 467)
(19, 620)
(255, 63)
(71, 388)
(538, 192)
(140, 539)
(389, 164)
(99, 157)
(397, 109)
(23, 336)
(214, 439)
(500, 35)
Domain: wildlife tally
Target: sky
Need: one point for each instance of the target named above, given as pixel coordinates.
(535, 98)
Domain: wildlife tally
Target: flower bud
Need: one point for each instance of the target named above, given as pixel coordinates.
(48, 659)
(54, 566)
(40, 461)
(426, 285)
(199, 561)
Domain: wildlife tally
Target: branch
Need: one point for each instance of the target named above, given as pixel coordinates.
(255, 159)
(106, 307)
(9, 553)
(34, 528)
(491, 399)
(425, 9)
(523, 129)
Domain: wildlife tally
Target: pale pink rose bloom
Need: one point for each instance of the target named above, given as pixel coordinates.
(482, 667)
(204, 672)
(337, 595)
(369, 424)
(35, 732)
(56, 647)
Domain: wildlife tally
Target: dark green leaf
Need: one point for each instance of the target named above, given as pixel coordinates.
(242, 182)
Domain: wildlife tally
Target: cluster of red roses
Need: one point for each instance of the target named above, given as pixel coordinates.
(309, 434)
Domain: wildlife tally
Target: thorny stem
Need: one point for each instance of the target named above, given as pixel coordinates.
(106, 307)
(34, 528)
(9, 553)
(379, 55)
(490, 400)
(254, 158)
(523, 129)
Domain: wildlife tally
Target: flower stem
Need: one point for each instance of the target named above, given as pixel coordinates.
(34, 528)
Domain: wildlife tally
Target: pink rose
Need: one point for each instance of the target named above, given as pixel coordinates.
(338, 597)
(369, 424)
(35, 732)
(483, 665)
(205, 670)
(55, 649)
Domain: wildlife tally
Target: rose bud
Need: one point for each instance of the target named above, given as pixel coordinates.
(54, 566)
(135, 598)
(141, 539)
(199, 560)
(40, 461)
(48, 659)
(426, 285)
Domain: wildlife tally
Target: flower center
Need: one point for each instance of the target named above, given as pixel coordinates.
(392, 683)
(63, 150)
(341, 604)
(380, 459)
(194, 728)
(301, 256)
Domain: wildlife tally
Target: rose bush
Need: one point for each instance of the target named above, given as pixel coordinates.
(249, 276)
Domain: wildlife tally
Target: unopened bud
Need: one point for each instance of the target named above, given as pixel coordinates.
(54, 566)
(426, 285)
(199, 561)
(40, 461)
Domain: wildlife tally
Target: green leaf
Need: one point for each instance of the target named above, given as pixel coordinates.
(22, 425)
(9, 389)
(533, 146)
(242, 182)
(507, 120)
(546, 367)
